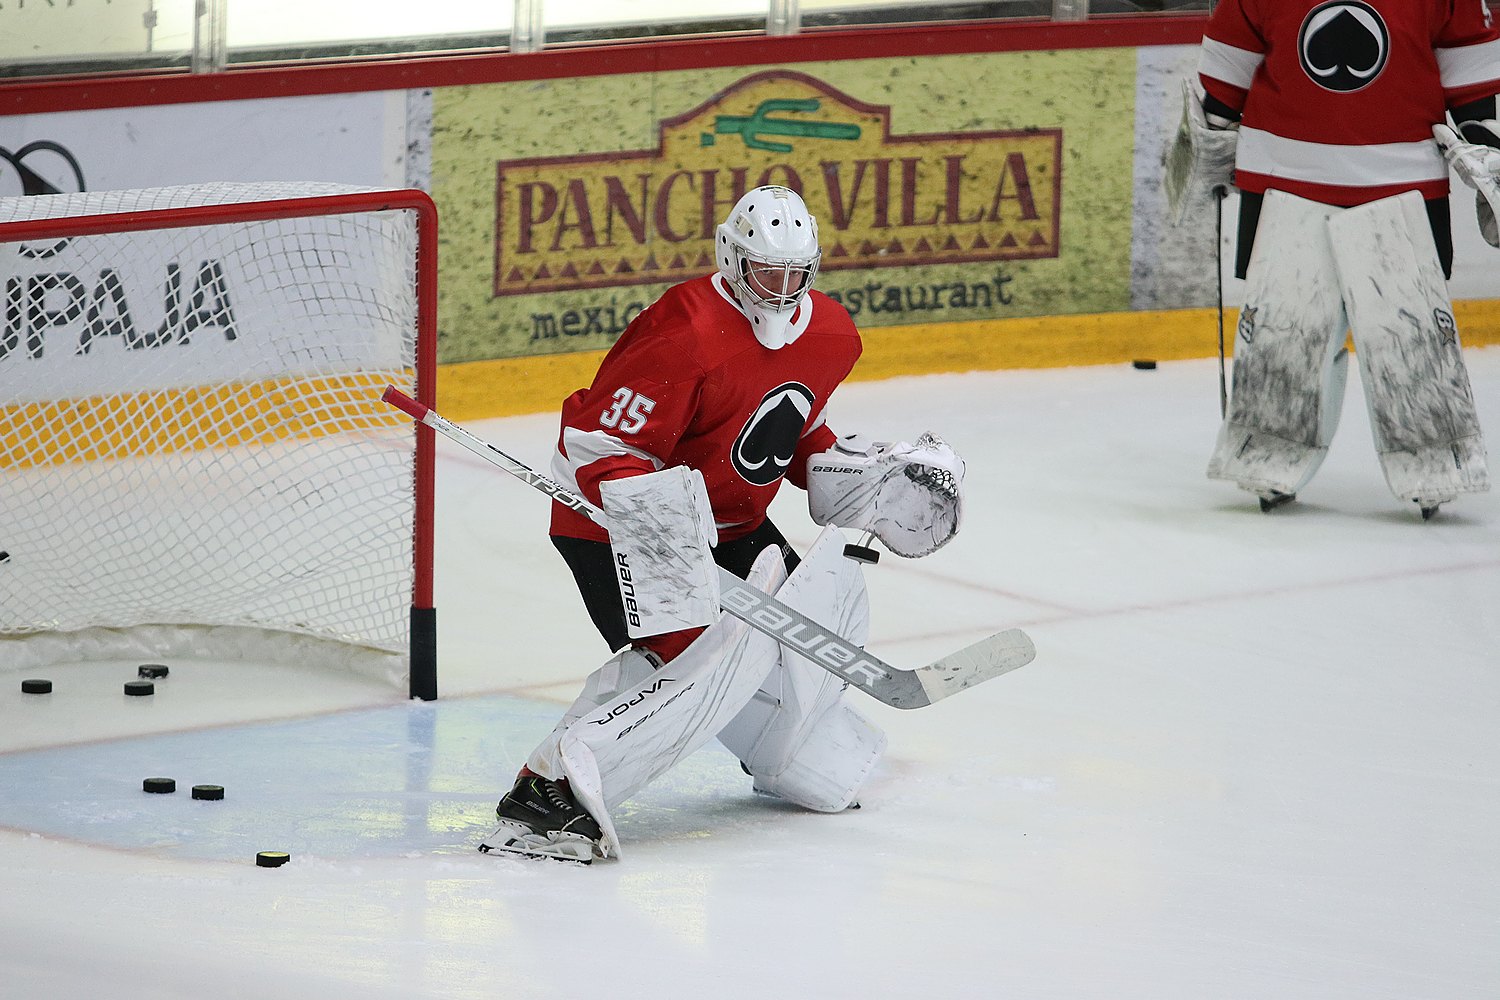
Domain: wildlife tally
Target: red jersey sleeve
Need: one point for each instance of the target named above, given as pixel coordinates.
(642, 399)
(1468, 53)
(1233, 49)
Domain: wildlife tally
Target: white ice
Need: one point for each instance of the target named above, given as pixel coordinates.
(1256, 757)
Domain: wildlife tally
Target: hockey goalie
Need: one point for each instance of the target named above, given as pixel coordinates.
(1339, 122)
(712, 397)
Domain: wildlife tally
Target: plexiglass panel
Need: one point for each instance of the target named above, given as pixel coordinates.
(45, 38)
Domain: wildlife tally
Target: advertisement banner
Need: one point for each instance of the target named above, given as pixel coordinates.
(339, 138)
(946, 189)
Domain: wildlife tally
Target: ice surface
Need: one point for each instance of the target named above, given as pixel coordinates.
(1256, 757)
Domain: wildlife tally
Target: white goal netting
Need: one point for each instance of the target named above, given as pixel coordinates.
(191, 431)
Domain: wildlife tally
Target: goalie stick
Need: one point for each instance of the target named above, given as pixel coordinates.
(987, 658)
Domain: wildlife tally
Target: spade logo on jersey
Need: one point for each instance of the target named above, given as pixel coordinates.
(766, 443)
(1343, 46)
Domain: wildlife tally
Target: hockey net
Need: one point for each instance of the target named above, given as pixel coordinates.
(194, 457)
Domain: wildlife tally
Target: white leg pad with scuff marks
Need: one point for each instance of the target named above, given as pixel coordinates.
(612, 752)
(1290, 364)
(1417, 387)
(615, 750)
(619, 677)
(802, 741)
(798, 737)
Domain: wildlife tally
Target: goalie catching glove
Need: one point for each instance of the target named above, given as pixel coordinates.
(910, 496)
(1477, 165)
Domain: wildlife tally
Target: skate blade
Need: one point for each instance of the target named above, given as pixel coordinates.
(557, 846)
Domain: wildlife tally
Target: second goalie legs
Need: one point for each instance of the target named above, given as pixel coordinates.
(1317, 270)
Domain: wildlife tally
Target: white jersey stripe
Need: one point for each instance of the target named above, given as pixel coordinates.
(585, 448)
(1235, 67)
(1341, 166)
(1467, 65)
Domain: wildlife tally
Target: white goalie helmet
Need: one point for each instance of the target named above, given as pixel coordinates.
(768, 254)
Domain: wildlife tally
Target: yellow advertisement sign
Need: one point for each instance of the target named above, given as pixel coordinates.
(566, 223)
(569, 205)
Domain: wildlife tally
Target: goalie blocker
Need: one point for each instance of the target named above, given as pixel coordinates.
(662, 534)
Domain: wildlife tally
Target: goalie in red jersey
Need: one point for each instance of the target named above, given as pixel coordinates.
(713, 396)
(1333, 119)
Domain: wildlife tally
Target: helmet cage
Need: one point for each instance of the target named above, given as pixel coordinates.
(776, 284)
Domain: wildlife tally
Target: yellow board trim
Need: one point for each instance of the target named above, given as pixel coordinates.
(512, 386)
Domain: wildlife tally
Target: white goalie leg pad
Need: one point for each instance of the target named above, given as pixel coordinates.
(801, 740)
(1417, 387)
(618, 678)
(662, 534)
(909, 495)
(613, 751)
(1289, 360)
(798, 737)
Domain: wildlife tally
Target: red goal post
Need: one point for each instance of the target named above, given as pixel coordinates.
(194, 457)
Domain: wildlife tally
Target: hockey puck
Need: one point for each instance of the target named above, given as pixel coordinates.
(1143, 365)
(210, 792)
(36, 686)
(861, 553)
(4, 557)
(159, 786)
(272, 859)
(151, 671)
(138, 688)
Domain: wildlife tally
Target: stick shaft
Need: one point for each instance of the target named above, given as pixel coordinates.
(763, 612)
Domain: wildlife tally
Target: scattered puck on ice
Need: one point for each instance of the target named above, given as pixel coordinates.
(272, 859)
(861, 553)
(151, 671)
(159, 786)
(36, 686)
(4, 557)
(138, 688)
(213, 792)
(1144, 366)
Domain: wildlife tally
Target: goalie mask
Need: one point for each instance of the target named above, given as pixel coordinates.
(768, 254)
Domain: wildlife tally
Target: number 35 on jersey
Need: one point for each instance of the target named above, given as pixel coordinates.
(628, 411)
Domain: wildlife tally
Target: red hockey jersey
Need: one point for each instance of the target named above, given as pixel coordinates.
(688, 384)
(1339, 98)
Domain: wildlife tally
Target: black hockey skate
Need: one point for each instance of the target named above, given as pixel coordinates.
(540, 818)
(1430, 507)
(1272, 499)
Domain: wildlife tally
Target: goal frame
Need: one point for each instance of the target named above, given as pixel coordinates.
(422, 663)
